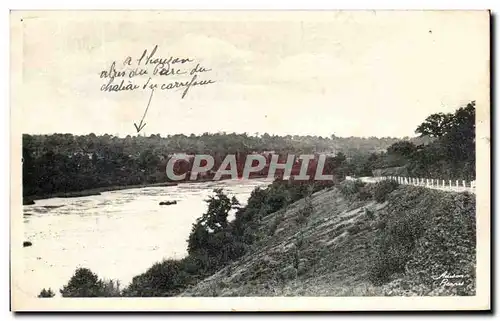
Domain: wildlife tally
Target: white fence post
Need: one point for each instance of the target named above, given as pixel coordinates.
(428, 183)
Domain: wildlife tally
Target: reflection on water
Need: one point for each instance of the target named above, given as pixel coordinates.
(118, 234)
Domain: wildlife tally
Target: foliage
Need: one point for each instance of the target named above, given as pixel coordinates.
(380, 190)
(452, 155)
(85, 283)
(111, 288)
(211, 228)
(305, 211)
(354, 190)
(369, 214)
(46, 293)
(402, 148)
(215, 243)
(425, 233)
(436, 125)
(448, 245)
(69, 163)
(449, 154)
(162, 279)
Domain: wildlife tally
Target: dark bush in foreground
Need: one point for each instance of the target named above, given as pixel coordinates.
(46, 293)
(85, 283)
(162, 279)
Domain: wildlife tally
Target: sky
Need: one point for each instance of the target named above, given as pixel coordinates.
(361, 73)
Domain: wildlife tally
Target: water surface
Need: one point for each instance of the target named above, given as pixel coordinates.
(118, 234)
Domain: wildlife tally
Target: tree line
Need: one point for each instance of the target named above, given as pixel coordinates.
(445, 148)
(68, 163)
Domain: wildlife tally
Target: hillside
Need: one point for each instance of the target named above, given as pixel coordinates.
(344, 243)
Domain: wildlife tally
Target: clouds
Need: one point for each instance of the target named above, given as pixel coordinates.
(356, 73)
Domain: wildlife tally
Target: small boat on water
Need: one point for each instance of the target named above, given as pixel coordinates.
(168, 203)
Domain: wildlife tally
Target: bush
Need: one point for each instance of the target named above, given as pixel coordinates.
(306, 211)
(46, 293)
(354, 190)
(85, 283)
(214, 221)
(380, 190)
(355, 229)
(162, 279)
(111, 288)
(274, 226)
(447, 245)
(395, 243)
(369, 214)
(423, 234)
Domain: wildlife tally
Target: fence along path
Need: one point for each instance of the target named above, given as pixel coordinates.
(457, 186)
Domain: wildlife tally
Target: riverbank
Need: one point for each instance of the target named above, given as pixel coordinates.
(71, 232)
(356, 243)
(30, 200)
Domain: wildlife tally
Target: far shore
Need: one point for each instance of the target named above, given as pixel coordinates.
(30, 200)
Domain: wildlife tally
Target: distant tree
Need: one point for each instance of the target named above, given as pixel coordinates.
(402, 148)
(452, 155)
(436, 125)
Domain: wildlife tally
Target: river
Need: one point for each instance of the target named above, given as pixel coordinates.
(118, 234)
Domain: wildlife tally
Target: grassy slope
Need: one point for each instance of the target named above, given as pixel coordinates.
(332, 253)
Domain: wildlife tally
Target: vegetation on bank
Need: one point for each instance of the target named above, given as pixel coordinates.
(46, 293)
(376, 239)
(366, 239)
(213, 243)
(85, 283)
(65, 163)
(353, 247)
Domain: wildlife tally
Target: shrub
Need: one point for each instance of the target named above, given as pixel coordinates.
(381, 189)
(425, 233)
(213, 222)
(46, 293)
(355, 229)
(369, 214)
(162, 279)
(111, 288)
(353, 190)
(447, 245)
(395, 243)
(84, 283)
(274, 226)
(305, 211)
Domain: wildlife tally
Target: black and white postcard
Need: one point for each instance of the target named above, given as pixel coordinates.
(250, 160)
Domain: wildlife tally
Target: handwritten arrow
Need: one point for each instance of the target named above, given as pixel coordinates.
(141, 125)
